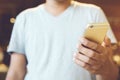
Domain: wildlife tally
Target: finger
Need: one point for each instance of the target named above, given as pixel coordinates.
(92, 45)
(85, 66)
(86, 59)
(88, 52)
(81, 63)
(100, 58)
(95, 65)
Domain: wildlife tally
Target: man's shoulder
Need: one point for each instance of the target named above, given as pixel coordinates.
(30, 11)
(87, 6)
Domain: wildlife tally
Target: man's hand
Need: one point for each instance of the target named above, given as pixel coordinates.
(97, 59)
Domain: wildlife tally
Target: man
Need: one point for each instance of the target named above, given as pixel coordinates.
(44, 41)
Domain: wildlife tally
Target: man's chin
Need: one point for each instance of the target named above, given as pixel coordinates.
(61, 1)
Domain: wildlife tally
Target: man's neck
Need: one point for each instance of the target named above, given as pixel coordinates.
(56, 7)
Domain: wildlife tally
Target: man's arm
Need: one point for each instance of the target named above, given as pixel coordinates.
(17, 69)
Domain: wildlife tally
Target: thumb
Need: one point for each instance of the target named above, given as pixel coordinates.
(107, 45)
(107, 42)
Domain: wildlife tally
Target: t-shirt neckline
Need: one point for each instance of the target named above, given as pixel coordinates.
(65, 12)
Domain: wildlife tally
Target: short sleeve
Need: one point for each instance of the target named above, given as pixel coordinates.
(16, 43)
(101, 17)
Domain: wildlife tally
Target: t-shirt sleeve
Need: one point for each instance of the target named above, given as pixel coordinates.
(100, 17)
(16, 43)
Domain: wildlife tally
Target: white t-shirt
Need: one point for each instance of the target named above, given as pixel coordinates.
(49, 42)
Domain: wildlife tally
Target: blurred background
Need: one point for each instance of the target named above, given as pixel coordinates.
(9, 9)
